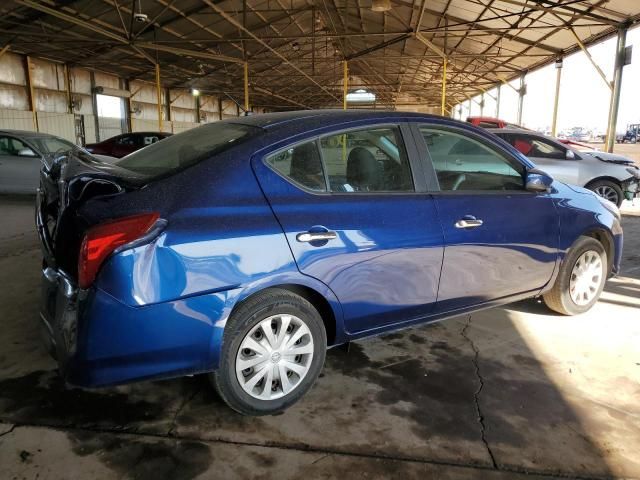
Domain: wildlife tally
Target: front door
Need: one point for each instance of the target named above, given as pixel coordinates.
(500, 240)
(19, 166)
(356, 217)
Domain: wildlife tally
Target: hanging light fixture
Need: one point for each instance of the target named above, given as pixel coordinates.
(381, 5)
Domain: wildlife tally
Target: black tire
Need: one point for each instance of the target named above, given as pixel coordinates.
(257, 308)
(559, 298)
(607, 185)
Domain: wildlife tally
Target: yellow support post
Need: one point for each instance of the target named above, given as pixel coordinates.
(159, 91)
(345, 86)
(443, 107)
(246, 86)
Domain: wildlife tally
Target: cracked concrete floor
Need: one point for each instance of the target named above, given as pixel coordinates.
(502, 394)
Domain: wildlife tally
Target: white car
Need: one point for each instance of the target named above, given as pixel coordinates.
(611, 176)
(22, 154)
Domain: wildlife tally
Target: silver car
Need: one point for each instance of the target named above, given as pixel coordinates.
(611, 176)
(21, 156)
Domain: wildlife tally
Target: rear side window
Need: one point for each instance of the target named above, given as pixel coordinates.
(186, 149)
(301, 164)
(368, 160)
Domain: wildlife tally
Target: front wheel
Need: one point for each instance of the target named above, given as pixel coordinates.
(273, 351)
(581, 278)
(607, 189)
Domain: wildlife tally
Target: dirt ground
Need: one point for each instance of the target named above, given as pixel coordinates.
(507, 393)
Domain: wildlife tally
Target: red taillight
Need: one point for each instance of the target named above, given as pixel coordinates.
(101, 240)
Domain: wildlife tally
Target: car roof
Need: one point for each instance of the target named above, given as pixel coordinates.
(518, 130)
(144, 133)
(486, 119)
(26, 133)
(270, 120)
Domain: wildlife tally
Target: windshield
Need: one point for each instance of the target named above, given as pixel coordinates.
(48, 145)
(186, 149)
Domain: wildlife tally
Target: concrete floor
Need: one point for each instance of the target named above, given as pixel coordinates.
(503, 394)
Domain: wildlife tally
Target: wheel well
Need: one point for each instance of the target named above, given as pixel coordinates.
(606, 240)
(314, 298)
(608, 179)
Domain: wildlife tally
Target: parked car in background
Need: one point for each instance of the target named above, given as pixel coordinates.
(579, 134)
(21, 156)
(490, 122)
(122, 145)
(632, 135)
(611, 176)
(247, 246)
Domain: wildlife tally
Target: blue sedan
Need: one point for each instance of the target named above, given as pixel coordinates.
(246, 247)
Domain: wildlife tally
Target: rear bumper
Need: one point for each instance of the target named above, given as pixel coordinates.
(97, 340)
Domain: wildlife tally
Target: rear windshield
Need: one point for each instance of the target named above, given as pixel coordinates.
(185, 149)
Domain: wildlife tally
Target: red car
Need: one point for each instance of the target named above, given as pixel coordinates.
(124, 144)
(491, 122)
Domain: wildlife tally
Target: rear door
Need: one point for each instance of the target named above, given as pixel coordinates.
(500, 240)
(356, 216)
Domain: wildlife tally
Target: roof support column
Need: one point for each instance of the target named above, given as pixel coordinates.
(31, 94)
(556, 98)
(159, 93)
(499, 89)
(615, 92)
(443, 106)
(246, 87)
(345, 86)
(522, 91)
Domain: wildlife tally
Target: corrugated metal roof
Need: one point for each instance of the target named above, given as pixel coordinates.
(295, 47)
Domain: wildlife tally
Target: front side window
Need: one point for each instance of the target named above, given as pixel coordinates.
(12, 146)
(302, 165)
(535, 147)
(368, 160)
(463, 163)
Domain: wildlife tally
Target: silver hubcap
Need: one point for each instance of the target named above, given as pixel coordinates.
(586, 277)
(608, 193)
(274, 357)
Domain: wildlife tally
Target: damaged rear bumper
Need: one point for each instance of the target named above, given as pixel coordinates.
(98, 340)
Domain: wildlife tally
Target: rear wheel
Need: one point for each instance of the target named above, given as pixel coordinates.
(607, 189)
(273, 350)
(581, 278)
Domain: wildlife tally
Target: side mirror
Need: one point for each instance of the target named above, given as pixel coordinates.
(570, 155)
(538, 181)
(26, 152)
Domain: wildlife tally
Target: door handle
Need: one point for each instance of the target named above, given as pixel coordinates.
(468, 222)
(316, 236)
